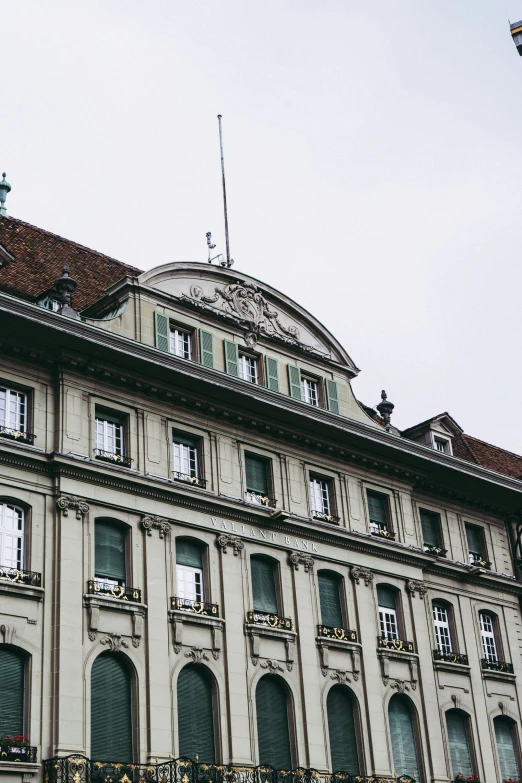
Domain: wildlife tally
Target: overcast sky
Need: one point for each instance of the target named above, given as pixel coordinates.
(374, 168)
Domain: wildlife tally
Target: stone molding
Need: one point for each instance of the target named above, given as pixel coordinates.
(161, 524)
(224, 540)
(413, 586)
(357, 573)
(300, 558)
(65, 502)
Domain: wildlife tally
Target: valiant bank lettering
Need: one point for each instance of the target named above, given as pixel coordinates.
(263, 535)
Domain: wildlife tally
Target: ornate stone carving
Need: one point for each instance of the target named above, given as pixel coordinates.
(224, 541)
(400, 686)
(92, 635)
(8, 632)
(114, 641)
(300, 558)
(177, 649)
(414, 586)
(340, 676)
(197, 654)
(135, 641)
(215, 655)
(159, 523)
(65, 502)
(456, 701)
(272, 665)
(357, 573)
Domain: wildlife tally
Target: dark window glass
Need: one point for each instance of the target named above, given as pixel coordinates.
(341, 729)
(188, 553)
(109, 556)
(256, 470)
(12, 693)
(458, 739)
(329, 595)
(111, 710)
(402, 737)
(196, 715)
(273, 733)
(264, 585)
(430, 528)
(475, 537)
(378, 511)
(507, 749)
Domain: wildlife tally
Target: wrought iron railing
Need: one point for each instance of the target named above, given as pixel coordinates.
(186, 478)
(122, 592)
(395, 644)
(436, 550)
(19, 435)
(323, 517)
(271, 620)
(382, 532)
(111, 456)
(197, 607)
(20, 577)
(450, 657)
(260, 500)
(497, 666)
(329, 632)
(478, 560)
(24, 753)
(78, 769)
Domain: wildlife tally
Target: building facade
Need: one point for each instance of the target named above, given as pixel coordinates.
(210, 550)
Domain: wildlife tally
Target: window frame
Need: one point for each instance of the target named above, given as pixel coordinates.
(309, 378)
(177, 438)
(329, 487)
(387, 507)
(205, 568)
(516, 743)
(341, 587)
(251, 356)
(127, 553)
(175, 331)
(469, 736)
(22, 538)
(268, 462)
(438, 521)
(26, 659)
(493, 634)
(484, 553)
(117, 418)
(9, 389)
(276, 569)
(450, 625)
(395, 613)
(444, 442)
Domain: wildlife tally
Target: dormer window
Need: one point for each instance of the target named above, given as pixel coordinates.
(309, 390)
(180, 343)
(441, 444)
(247, 368)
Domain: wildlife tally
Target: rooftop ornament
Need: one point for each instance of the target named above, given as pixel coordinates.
(64, 287)
(385, 408)
(516, 34)
(5, 188)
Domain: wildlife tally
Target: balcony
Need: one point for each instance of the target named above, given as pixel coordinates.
(340, 634)
(269, 620)
(121, 592)
(477, 561)
(450, 657)
(17, 752)
(497, 666)
(111, 456)
(196, 607)
(20, 577)
(196, 481)
(19, 435)
(382, 532)
(323, 517)
(394, 644)
(260, 500)
(438, 551)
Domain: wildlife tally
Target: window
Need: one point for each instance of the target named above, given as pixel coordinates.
(12, 688)
(404, 746)
(441, 444)
(507, 748)
(110, 544)
(378, 512)
(11, 536)
(457, 724)
(185, 456)
(257, 479)
(247, 368)
(273, 735)
(196, 714)
(50, 303)
(341, 729)
(320, 496)
(13, 410)
(476, 548)
(264, 590)
(430, 522)
(487, 633)
(309, 390)
(330, 600)
(389, 626)
(111, 709)
(109, 433)
(189, 570)
(180, 343)
(442, 629)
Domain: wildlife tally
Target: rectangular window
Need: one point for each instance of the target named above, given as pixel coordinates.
(377, 511)
(185, 456)
(441, 444)
(309, 391)
(320, 496)
(257, 479)
(442, 628)
(11, 536)
(247, 368)
(487, 632)
(13, 410)
(430, 522)
(109, 433)
(110, 553)
(388, 623)
(475, 539)
(180, 343)
(189, 583)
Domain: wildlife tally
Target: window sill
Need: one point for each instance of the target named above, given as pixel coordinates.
(455, 668)
(180, 616)
(21, 591)
(107, 602)
(26, 767)
(493, 674)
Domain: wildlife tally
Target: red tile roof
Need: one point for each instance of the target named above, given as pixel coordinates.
(492, 457)
(39, 257)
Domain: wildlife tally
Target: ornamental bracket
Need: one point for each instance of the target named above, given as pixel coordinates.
(65, 502)
(357, 573)
(161, 524)
(414, 586)
(224, 541)
(299, 558)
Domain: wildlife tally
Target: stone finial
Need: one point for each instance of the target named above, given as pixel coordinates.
(5, 188)
(65, 287)
(385, 408)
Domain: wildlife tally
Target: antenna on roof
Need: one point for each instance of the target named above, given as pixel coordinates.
(212, 247)
(228, 263)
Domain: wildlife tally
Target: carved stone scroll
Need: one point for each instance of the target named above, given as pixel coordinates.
(114, 641)
(299, 558)
(414, 586)
(224, 541)
(357, 573)
(65, 502)
(159, 523)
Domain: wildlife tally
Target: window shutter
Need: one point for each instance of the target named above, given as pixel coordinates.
(111, 710)
(273, 736)
(272, 373)
(196, 715)
(263, 586)
(294, 380)
(377, 508)
(256, 475)
(430, 528)
(332, 396)
(507, 754)
(12, 690)
(475, 539)
(188, 553)
(109, 551)
(402, 738)
(231, 359)
(386, 597)
(458, 743)
(206, 343)
(341, 729)
(331, 613)
(162, 331)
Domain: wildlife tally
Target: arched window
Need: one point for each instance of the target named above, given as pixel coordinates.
(402, 732)
(110, 552)
(111, 709)
(264, 589)
(341, 728)
(11, 536)
(12, 690)
(196, 714)
(488, 636)
(330, 598)
(441, 622)
(459, 744)
(273, 732)
(388, 618)
(189, 570)
(507, 748)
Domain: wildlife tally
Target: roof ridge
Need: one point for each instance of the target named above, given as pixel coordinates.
(72, 242)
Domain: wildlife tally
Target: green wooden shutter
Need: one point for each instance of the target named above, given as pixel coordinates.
(386, 597)
(111, 710)
(272, 373)
(109, 551)
(231, 358)
(11, 693)
(273, 735)
(256, 475)
(206, 344)
(377, 508)
(188, 553)
(402, 738)
(196, 715)
(458, 743)
(332, 396)
(263, 585)
(341, 730)
(331, 613)
(475, 539)
(430, 528)
(507, 754)
(162, 331)
(294, 380)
